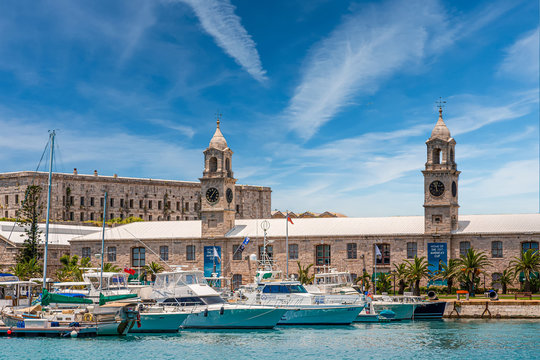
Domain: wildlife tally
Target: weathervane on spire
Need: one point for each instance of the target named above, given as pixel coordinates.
(218, 118)
(440, 103)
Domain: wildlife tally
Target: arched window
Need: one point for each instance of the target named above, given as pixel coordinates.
(452, 156)
(213, 164)
(436, 156)
(227, 164)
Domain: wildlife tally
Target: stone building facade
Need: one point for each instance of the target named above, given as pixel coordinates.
(338, 242)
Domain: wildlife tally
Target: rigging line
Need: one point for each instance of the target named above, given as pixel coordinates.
(152, 251)
(33, 179)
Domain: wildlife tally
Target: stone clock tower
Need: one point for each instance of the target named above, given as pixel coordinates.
(440, 181)
(217, 188)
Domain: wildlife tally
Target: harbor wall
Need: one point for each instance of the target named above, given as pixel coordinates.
(500, 309)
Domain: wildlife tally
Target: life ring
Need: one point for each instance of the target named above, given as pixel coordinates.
(88, 317)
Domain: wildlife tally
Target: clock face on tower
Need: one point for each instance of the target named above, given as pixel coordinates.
(229, 195)
(436, 188)
(212, 195)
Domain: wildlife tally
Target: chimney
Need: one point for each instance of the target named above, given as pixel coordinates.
(95, 172)
(74, 171)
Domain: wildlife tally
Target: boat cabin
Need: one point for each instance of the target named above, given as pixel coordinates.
(14, 292)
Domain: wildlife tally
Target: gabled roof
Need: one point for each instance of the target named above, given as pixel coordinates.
(335, 227)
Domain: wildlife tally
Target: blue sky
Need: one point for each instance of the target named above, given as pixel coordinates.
(327, 102)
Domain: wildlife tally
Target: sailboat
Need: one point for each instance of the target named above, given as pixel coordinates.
(80, 319)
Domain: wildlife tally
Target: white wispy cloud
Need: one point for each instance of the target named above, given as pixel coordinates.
(370, 46)
(521, 59)
(183, 129)
(218, 19)
(366, 48)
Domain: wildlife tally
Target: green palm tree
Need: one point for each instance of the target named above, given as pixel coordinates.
(528, 264)
(384, 282)
(506, 279)
(416, 271)
(303, 274)
(449, 272)
(108, 267)
(70, 270)
(25, 270)
(401, 276)
(153, 268)
(471, 266)
(364, 279)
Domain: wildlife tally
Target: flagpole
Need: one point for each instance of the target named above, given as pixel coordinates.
(287, 241)
(375, 286)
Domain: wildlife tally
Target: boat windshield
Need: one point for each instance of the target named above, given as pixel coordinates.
(284, 289)
(209, 300)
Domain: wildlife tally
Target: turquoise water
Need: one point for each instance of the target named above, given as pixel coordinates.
(448, 339)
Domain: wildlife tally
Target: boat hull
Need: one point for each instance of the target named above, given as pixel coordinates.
(402, 311)
(430, 310)
(321, 315)
(235, 317)
(160, 322)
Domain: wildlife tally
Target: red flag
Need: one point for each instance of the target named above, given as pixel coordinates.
(129, 271)
(289, 219)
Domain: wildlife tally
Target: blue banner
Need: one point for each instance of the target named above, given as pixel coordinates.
(437, 255)
(212, 263)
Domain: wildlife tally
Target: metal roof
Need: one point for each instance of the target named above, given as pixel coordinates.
(311, 227)
(58, 234)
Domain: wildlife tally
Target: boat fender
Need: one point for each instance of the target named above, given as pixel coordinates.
(74, 334)
(493, 295)
(221, 311)
(88, 317)
(432, 295)
(138, 319)
(9, 332)
(206, 312)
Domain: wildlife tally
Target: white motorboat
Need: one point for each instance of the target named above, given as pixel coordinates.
(160, 319)
(189, 290)
(402, 310)
(302, 307)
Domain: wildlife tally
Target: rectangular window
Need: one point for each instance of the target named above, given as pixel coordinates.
(138, 256)
(71, 200)
(82, 200)
(322, 255)
(141, 204)
(237, 254)
(149, 217)
(149, 204)
(497, 249)
(16, 199)
(411, 250)
(71, 216)
(82, 216)
(178, 205)
(91, 201)
(159, 205)
(186, 206)
(131, 203)
(464, 246)
(293, 251)
(238, 209)
(121, 203)
(164, 253)
(168, 205)
(112, 216)
(269, 251)
(7, 199)
(236, 281)
(86, 252)
(195, 207)
(190, 252)
(112, 202)
(529, 245)
(101, 202)
(92, 216)
(384, 258)
(111, 254)
(351, 251)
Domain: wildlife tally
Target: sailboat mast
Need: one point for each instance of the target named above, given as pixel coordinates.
(51, 136)
(103, 240)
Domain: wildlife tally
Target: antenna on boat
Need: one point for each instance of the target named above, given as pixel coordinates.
(103, 241)
(265, 262)
(52, 134)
